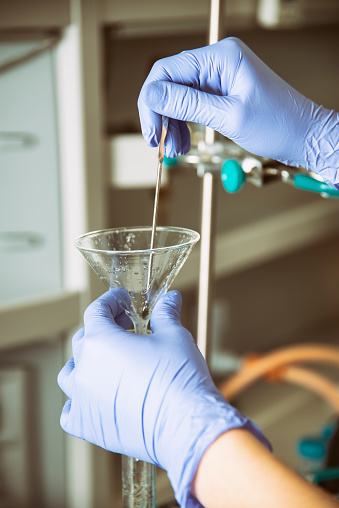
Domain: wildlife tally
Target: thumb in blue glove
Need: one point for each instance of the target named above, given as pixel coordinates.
(150, 397)
(225, 86)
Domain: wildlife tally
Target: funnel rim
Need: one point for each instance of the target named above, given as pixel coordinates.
(195, 238)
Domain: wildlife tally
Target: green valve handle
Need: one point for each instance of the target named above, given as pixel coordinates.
(325, 475)
(306, 182)
(312, 448)
(170, 161)
(232, 176)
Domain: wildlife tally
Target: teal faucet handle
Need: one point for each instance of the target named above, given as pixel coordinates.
(232, 176)
(312, 448)
(170, 161)
(307, 182)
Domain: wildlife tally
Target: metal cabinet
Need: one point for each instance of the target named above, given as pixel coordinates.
(30, 253)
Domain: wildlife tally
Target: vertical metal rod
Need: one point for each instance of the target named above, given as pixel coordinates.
(208, 214)
(216, 21)
(206, 263)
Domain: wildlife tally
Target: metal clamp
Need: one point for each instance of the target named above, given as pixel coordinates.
(235, 173)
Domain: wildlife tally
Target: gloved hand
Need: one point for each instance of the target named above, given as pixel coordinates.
(228, 88)
(150, 397)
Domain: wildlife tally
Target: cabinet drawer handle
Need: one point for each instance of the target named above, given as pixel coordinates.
(11, 241)
(16, 140)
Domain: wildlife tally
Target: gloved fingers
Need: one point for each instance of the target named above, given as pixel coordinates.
(166, 311)
(167, 69)
(182, 68)
(65, 378)
(211, 68)
(64, 418)
(188, 104)
(76, 342)
(178, 138)
(185, 138)
(151, 123)
(124, 321)
(106, 310)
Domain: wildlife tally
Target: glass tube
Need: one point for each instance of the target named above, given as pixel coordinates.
(138, 483)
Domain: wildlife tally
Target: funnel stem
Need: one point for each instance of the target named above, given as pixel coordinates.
(140, 326)
(138, 483)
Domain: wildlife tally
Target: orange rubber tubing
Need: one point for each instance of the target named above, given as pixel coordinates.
(257, 369)
(313, 381)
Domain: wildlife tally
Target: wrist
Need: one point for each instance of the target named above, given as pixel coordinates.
(192, 432)
(322, 145)
(237, 471)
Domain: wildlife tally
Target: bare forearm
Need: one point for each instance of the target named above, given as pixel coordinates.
(237, 471)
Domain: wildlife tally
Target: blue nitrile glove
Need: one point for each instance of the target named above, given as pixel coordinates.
(228, 88)
(149, 397)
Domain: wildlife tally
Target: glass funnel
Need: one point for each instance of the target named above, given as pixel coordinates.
(121, 258)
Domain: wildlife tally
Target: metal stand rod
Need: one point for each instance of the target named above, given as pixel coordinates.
(208, 215)
(206, 263)
(216, 21)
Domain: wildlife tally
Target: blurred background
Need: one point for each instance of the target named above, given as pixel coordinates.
(70, 75)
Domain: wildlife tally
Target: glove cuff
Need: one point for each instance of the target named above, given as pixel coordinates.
(322, 146)
(204, 422)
